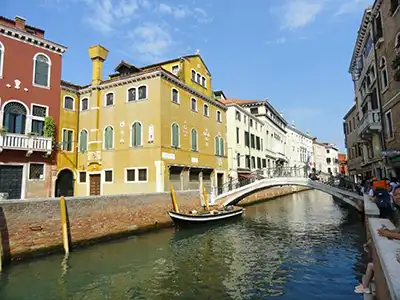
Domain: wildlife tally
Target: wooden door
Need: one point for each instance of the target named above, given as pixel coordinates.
(95, 184)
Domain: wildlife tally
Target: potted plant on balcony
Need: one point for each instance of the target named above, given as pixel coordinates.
(3, 131)
(49, 128)
(32, 134)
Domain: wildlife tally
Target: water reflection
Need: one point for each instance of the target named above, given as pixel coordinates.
(302, 246)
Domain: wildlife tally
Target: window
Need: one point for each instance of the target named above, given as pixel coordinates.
(39, 113)
(397, 41)
(389, 124)
(109, 99)
(67, 140)
(82, 177)
(258, 162)
(136, 134)
(130, 175)
(252, 140)
(69, 103)
(206, 111)
(368, 46)
(384, 73)
(194, 140)
(41, 70)
(175, 96)
(219, 117)
(131, 94)
(198, 78)
(246, 139)
(203, 81)
(237, 115)
(254, 110)
(378, 26)
(1, 59)
(247, 161)
(83, 141)
(238, 159)
(142, 92)
(84, 104)
(237, 135)
(251, 122)
(194, 104)
(327, 151)
(350, 127)
(175, 135)
(264, 163)
(175, 69)
(258, 144)
(15, 117)
(219, 146)
(193, 75)
(36, 171)
(328, 160)
(253, 162)
(108, 176)
(108, 138)
(142, 174)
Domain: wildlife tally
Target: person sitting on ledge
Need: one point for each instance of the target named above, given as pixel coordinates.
(364, 288)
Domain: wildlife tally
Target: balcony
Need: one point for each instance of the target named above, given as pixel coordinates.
(22, 142)
(369, 124)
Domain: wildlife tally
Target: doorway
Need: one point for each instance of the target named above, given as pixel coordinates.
(220, 182)
(11, 181)
(65, 183)
(95, 184)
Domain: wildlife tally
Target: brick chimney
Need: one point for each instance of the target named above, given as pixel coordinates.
(20, 23)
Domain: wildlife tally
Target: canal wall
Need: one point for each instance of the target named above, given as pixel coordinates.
(33, 226)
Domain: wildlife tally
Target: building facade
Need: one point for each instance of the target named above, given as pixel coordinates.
(325, 157)
(342, 158)
(353, 143)
(300, 150)
(30, 76)
(385, 17)
(142, 129)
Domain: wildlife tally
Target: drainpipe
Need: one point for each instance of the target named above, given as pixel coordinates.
(378, 86)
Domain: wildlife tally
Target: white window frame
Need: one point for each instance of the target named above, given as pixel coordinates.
(62, 139)
(191, 72)
(204, 110)
(179, 135)
(382, 68)
(104, 176)
(104, 137)
(136, 171)
(137, 92)
(29, 171)
(127, 94)
(387, 123)
(172, 67)
(79, 176)
(38, 118)
(218, 113)
(141, 134)
(34, 70)
(105, 99)
(73, 103)
(205, 81)
(196, 106)
(79, 141)
(197, 140)
(88, 104)
(172, 96)
(3, 51)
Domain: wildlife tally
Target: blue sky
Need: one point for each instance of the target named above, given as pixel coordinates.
(296, 53)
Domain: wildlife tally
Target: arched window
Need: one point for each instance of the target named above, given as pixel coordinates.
(194, 140)
(219, 118)
(84, 104)
(216, 145)
(194, 104)
(14, 117)
(142, 92)
(83, 141)
(131, 96)
(41, 73)
(206, 110)
(108, 138)
(384, 73)
(219, 146)
(136, 134)
(1, 59)
(175, 135)
(69, 103)
(109, 99)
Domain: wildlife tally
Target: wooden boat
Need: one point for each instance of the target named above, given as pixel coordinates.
(203, 217)
(199, 218)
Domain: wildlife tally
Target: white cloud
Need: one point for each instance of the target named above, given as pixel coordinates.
(151, 41)
(177, 12)
(352, 6)
(278, 41)
(299, 13)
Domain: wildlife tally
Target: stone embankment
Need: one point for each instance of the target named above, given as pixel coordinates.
(33, 226)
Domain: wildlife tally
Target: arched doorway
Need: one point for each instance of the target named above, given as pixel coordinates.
(65, 183)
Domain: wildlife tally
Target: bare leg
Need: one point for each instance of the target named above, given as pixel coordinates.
(368, 275)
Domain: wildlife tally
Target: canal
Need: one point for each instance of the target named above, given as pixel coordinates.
(302, 246)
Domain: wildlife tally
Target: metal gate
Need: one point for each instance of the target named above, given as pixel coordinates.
(11, 181)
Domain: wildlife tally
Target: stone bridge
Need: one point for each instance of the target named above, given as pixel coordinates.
(234, 196)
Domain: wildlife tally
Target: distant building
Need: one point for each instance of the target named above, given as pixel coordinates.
(343, 164)
(325, 157)
(300, 150)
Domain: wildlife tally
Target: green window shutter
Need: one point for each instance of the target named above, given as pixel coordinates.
(216, 144)
(69, 147)
(175, 135)
(221, 143)
(65, 140)
(194, 140)
(109, 138)
(136, 134)
(83, 141)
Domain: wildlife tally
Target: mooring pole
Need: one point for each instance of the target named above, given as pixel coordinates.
(64, 227)
(205, 196)
(174, 203)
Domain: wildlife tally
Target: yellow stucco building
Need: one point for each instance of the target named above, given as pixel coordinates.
(141, 130)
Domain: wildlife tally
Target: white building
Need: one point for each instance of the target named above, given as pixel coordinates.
(299, 148)
(325, 157)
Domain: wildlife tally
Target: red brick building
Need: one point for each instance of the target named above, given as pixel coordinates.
(343, 164)
(30, 78)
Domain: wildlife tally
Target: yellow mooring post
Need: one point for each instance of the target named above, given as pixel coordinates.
(63, 212)
(205, 196)
(174, 203)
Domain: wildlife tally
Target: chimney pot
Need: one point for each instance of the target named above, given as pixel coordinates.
(20, 22)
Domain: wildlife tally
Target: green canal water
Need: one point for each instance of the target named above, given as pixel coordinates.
(302, 246)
